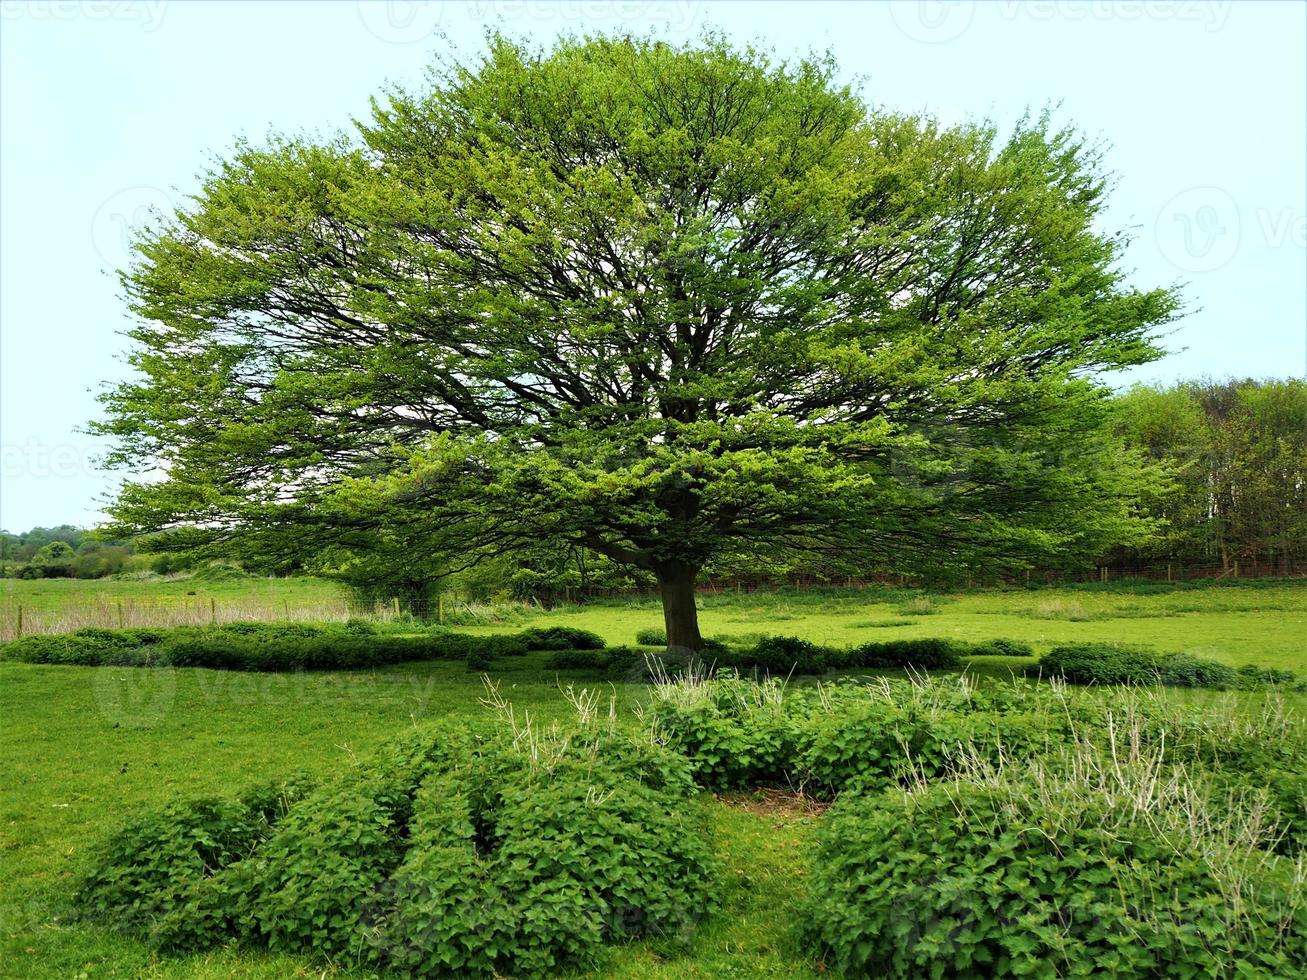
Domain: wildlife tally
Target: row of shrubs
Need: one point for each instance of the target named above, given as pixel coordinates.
(789, 655)
(1103, 663)
(454, 852)
(283, 646)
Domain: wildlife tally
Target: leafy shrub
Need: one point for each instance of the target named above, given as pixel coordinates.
(479, 659)
(1090, 663)
(848, 736)
(1001, 648)
(926, 654)
(255, 647)
(455, 852)
(578, 660)
(156, 859)
(651, 637)
(784, 655)
(562, 638)
(998, 880)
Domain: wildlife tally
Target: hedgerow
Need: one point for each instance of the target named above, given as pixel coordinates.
(561, 638)
(1105, 663)
(255, 647)
(453, 852)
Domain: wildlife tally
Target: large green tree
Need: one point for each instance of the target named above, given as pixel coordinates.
(665, 303)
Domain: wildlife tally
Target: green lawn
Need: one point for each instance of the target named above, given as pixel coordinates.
(80, 746)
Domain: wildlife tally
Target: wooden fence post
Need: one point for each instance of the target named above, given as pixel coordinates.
(213, 611)
(120, 615)
(20, 622)
(394, 605)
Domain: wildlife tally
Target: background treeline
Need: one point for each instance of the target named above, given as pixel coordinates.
(1230, 497)
(1236, 456)
(73, 552)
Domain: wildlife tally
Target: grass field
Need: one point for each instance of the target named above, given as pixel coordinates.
(82, 746)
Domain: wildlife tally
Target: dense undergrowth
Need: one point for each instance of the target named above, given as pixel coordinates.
(453, 851)
(284, 646)
(978, 829)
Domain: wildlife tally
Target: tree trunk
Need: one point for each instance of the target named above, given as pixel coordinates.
(680, 615)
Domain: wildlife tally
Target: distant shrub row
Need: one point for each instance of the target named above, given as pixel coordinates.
(1103, 663)
(786, 655)
(280, 646)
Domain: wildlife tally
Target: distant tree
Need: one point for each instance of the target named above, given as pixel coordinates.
(1236, 452)
(54, 560)
(663, 303)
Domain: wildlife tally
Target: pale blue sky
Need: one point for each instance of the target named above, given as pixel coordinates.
(110, 107)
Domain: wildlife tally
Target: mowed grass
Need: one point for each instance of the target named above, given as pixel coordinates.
(82, 747)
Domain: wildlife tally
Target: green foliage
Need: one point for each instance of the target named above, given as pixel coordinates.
(970, 880)
(1236, 452)
(561, 638)
(733, 309)
(452, 852)
(579, 660)
(153, 864)
(847, 736)
(925, 654)
(651, 637)
(255, 647)
(1103, 663)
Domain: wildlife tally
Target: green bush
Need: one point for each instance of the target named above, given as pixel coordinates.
(848, 736)
(782, 655)
(925, 654)
(255, 647)
(1101, 663)
(153, 862)
(562, 638)
(966, 880)
(651, 637)
(453, 852)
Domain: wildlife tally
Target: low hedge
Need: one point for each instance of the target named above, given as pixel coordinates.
(1105, 663)
(969, 880)
(781, 655)
(453, 853)
(255, 647)
(561, 638)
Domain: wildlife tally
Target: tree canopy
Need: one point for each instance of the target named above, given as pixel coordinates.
(664, 303)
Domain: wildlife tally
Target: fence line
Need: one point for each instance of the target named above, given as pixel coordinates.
(19, 618)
